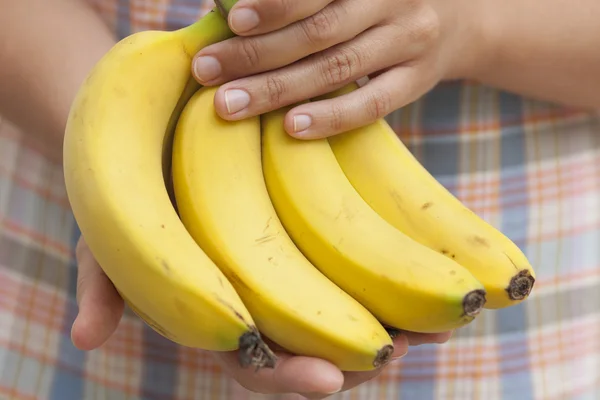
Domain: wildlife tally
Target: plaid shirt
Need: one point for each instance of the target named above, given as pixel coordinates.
(530, 168)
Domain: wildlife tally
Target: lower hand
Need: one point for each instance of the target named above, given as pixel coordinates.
(297, 50)
(101, 309)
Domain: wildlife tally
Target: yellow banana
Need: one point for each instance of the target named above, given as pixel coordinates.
(120, 124)
(401, 190)
(403, 283)
(223, 202)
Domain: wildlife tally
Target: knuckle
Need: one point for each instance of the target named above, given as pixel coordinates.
(340, 66)
(426, 27)
(287, 7)
(412, 4)
(378, 105)
(249, 51)
(82, 283)
(275, 87)
(320, 27)
(336, 120)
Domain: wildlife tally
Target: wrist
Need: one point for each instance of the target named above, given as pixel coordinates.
(468, 46)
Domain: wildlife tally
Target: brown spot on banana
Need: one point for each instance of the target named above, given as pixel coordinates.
(165, 266)
(479, 241)
(426, 205)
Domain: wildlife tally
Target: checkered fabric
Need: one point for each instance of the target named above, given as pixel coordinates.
(530, 168)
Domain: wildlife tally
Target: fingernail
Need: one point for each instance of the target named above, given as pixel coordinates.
(399, 356)
(236, 100)
(243, 19)
(207, 68)
(302, 122)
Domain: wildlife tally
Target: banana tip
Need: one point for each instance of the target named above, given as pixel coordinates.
(473, 302)
(253, 351)
(520, 285)
(384, 356)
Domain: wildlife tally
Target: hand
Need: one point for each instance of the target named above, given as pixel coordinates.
(101, 309)
(290, 51)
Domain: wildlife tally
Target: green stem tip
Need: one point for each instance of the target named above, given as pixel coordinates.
(224, 6)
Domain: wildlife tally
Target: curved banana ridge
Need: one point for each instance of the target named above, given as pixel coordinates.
(118, 128)
(223, 201)
(403, 283)
(401, 190)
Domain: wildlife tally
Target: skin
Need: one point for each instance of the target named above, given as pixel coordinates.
(298, 50)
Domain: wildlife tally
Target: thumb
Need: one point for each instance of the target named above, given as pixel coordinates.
(100, 305)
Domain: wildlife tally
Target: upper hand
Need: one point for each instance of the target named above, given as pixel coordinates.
(289, 51)
(101, 309)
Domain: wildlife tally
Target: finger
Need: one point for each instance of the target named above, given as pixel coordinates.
(292, 374)
(380, 96)
(318, 74)
(252, 17)
(246, 56)
(100, 306)
(416, 339)
(353, 379)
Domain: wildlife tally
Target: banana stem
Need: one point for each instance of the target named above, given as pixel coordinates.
(212, 28)
(224, 6)
(209, 29)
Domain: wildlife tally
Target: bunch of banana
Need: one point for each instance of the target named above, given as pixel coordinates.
(223, 201)
(392, 181)
(318, 245)
(116, 153)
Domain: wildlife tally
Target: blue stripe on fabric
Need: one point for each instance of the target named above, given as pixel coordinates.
(159, 366)
(68, 382)
(515, 382)
(441, 108)
(414, 385)
(123, 18)
(440, 111)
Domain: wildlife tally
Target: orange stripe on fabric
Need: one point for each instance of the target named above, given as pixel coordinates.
(579, 346)
(208, 367)
(12, 290)
(153, 16)
(578, 170)
(578, 336)
(579, 391)
(542, 237)
(14, 394)
(38, 237)
(35, 146)
(577, 332)
(45, 194)
(476, 128)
